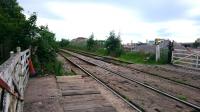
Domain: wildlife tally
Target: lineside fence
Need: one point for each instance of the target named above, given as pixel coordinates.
(186, 58)
(14, 74)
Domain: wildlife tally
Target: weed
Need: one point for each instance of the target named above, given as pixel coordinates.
(181, 97)
(69, 73)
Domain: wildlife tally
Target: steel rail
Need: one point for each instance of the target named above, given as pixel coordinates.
(140, 83)
(102, 58)
(130, 103)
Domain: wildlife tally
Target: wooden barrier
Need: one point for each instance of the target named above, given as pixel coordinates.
(186, 58)
(14, 74)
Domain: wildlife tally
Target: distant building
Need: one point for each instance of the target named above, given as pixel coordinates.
(150, 42)
(129, 46)
(189, 44)
(79, 41)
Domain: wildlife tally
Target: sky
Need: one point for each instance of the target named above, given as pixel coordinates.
(134, 20)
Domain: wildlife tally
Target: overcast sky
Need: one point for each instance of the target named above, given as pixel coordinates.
(136, 20)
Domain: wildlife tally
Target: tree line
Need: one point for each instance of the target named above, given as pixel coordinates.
(16, 30)
(112, 45)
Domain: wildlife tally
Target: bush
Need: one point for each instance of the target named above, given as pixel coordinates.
(163, 56)
(138, 57)
(113, 45)
(64, 43)
(54, 68)
(91, 44)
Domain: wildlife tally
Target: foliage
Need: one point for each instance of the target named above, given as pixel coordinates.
(64, 43)
(15, 29)
(164, 56)
(113, 45)
(45, 45)
(137, 57)
(91, 43)
(181, 97)
(196, 43)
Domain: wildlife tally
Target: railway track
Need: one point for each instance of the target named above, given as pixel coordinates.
(180, 91)
(130, 103)
(149, 72)
(141, 84)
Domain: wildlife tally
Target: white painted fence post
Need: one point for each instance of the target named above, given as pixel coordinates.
(157, 53)
(14, 72)
(11, 53)
(18, 49)
(197, 62)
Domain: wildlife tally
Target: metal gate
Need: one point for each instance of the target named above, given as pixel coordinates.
(186, 58)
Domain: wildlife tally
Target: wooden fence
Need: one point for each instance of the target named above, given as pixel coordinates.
(186, 58)
(14, 74)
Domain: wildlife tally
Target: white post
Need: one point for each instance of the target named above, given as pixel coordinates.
(11, 53)
(18, 49)
(197, 62)
(157, 53)
(172, 58)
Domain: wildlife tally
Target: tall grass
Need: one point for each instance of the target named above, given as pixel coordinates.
(135, 57)
(138, 57)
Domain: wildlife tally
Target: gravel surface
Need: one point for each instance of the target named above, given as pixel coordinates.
(116, 102)
(175, 73)
(147, 99)
(181, 91)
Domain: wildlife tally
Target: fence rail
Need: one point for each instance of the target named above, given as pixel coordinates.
(186, 58)
(14, 74)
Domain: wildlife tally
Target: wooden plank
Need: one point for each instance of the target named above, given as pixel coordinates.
(180, 50)
(86, 106)
(184, 62)
(81, 98)
(93, 109)
(187, 66)
(79, 92)
(186, 57)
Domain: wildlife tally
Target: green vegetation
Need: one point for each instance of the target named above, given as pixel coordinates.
(181, 97)
(16, 30)
(138, 57)
(113, 45)
(64, 43)
(69, 73)
(164, 57)
(196, 43)
(91, 44)
(113, 48)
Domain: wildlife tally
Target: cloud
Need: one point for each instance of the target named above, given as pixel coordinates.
(161, 10)
(164, 33)
(38, 6)
(136, 20)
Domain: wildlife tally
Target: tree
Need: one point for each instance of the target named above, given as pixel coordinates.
(14, 28)
(45, 54)
(46, 45)
(113, 45)
(196, 43)
(91, 43)
(64, 43)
